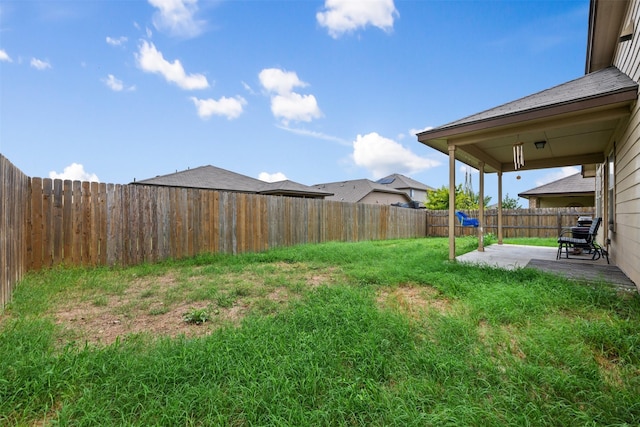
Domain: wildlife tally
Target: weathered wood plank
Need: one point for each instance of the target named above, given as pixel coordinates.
(77, 221)
(36, 223)
(47, 213)
(86, 224)
(67, 221)
(94, 232)
(102, 224)
(15, 237)
(163, 219)
(58, 237)
(215, 209)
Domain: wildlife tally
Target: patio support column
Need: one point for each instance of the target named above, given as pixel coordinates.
(499, 208)
(481, 208)
(452, 202)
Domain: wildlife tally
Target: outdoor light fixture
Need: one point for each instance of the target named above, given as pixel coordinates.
(540, 144)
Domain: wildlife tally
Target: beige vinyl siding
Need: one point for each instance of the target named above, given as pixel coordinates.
(378, 198)
(419, 196)
(566, 201)
(625, 241)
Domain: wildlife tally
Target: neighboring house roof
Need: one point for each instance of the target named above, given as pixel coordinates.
(355, 190)
(401, 182)
(214, 178)
(290, 188)
(574, 185)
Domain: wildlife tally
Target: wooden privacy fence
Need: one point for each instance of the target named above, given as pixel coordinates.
(45, 222)
(538, 222)
(82, 223)
(14, 189)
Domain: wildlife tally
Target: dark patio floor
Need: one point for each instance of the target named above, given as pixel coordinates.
(544, 258)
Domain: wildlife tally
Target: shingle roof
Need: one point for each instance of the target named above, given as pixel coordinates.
(573, 184)
(399, 181)
(355, 190)
(607, 81)
(290, 187)
(214, 178)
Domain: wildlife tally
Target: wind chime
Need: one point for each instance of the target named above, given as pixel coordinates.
(518, 155)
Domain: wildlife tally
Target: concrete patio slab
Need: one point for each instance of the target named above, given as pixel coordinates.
(508, 257)
(580, 267)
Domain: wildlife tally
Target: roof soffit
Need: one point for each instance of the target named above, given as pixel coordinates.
(605, 22)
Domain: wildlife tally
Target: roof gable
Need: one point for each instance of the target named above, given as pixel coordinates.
(398, 181)
(355, 190)
(208, 177)
(573, 184)
(605, 82)
(214, 178)
(288, 187)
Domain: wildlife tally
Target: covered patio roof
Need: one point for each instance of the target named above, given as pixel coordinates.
(577, 121)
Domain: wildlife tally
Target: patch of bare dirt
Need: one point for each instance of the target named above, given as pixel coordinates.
(103, 325)
(414, 300)
(101, 319)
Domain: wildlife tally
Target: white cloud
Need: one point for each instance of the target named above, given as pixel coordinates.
(556, 175)
(343, 16)
(116, 41)
(293, 106)
(115, 84)
(383, 156)
(4, 56)
(231, 108)
(177, 17)
(74, 172)
(152, 61)
(39, 64)
(280, 81)
(272, 177)
(287, 105)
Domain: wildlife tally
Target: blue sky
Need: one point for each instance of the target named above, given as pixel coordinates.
(312, 91)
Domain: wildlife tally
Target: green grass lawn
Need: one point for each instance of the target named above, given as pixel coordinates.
(373, 334)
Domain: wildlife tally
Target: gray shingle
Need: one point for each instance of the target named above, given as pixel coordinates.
(402, 182)
(603, 82)
(214, 178)
(575, 184)
(355, 190)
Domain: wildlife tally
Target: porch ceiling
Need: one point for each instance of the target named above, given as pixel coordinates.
(576, 140)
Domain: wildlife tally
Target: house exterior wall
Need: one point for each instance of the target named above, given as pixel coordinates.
(377, 198)
(564, 202)
(414, 194)
(419, 195)
(624, 230)
(534, 202)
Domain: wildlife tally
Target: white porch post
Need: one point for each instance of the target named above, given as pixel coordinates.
(452, 202)
(481, 208)
(499, 208)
